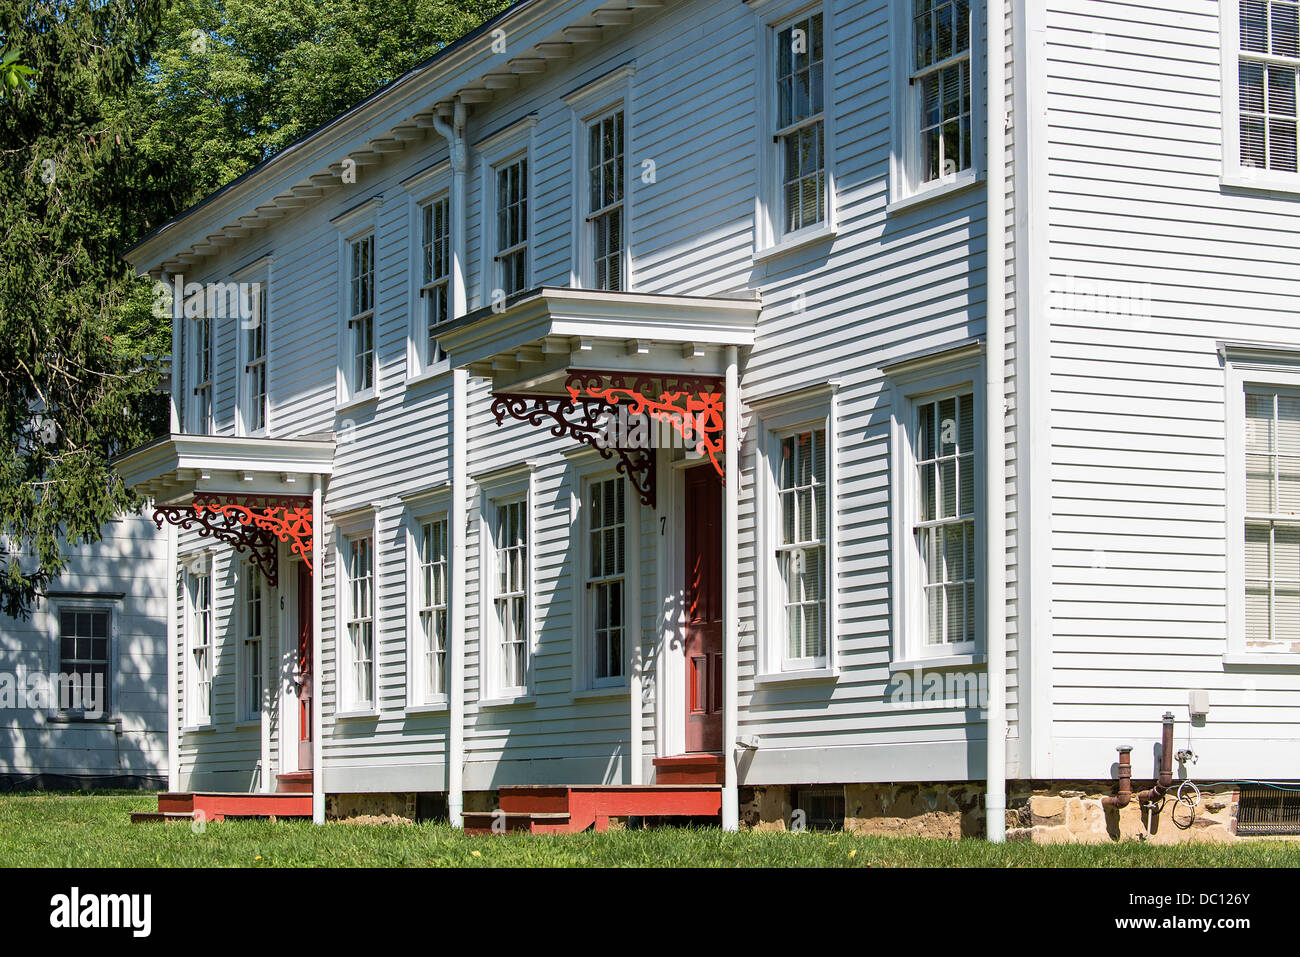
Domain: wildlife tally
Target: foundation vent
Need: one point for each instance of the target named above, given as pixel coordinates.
(823, 808)
(1268, 811)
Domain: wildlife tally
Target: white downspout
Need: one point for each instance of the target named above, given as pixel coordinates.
(317, 589)
(455, 137)
(634, 747)
(731, 595)
(994, 427)
(175, 655)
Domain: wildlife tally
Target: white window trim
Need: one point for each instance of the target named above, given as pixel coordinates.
(954, 370)
(1247, 365)
(198, 564)
(260, 273)
(347, 527)
(1233, 173)
(604, 95)
(771, 16)
(516, 140)
(351, 226)
(431, 505)
(905, 134)
(249, 712)
(500, 488)
(110, 606)
(588, 467)
(194, 425)
(777, 417)
(421, 189)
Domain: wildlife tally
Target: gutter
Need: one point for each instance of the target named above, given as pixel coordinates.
(995, 558)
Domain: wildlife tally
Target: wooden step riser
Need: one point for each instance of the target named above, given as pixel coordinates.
(687, 776)
(218, 806)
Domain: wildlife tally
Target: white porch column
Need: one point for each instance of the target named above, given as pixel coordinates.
(731, 595)
(173, 674)
(634, 756)
(317, 586)
(456, 671)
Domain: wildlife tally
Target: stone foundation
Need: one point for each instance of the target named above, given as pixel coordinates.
(1061, 812)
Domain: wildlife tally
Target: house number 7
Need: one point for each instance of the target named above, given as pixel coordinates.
(663, 523)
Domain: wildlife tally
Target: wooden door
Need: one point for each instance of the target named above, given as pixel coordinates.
(305, 689)
(703, 516)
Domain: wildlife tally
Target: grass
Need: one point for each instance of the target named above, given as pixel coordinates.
(94, 830)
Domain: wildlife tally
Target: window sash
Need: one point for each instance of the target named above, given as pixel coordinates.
(605, 572)
(940, 72)
(201, 648)
(802, 547)
(84, 650)
(512, 224)
(361, 611)
(510, 594)
(605, 199)
(432, 609)
(435, 272)
(944, 527)
(253, 641)
(800, 134)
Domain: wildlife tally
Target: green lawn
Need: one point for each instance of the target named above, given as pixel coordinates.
(94, 830)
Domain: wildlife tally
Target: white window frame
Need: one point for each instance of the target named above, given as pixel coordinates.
(911, 384)
(430, 185)
(589, 469)
(515, 485)
(259, 274)
(348, 528)
(607, 94)
(422, 508)
(1234, 173)
(95, 605)
(353, 226)
(251, 707)
(778, 417)
(201, 421)
(770, 239)
(1247, 366)
(905, 185)
(512, 143)
(198, 566)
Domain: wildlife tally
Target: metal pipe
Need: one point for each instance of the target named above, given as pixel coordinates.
(317, 591)
(995, 503)
(731, 595)
(1166, 780)
(1125, 780)
(459, 573)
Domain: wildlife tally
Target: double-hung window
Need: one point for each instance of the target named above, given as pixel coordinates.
(254, 359)
(360, 621)
(251, 656)
(83, 680)
(1261, 73)
(605, 579)
(941, 76)
(936, 505)
(432, 607)
(800, 132)
(801, 544)
(606, 221)
(435, 273)
(361, 313)
(796, 523)
(1263, 484)
(202, 411)
(510, 594)
(200, 650)
(511, 258)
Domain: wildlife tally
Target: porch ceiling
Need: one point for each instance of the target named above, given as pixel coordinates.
(175, 468)
(538, 339)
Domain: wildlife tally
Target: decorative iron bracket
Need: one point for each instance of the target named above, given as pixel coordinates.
(692, 406)
(253, 525)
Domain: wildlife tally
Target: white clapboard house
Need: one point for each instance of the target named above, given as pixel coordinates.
(629, 401)
(83, 677)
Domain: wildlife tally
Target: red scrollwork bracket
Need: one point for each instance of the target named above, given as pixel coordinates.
(253, 525)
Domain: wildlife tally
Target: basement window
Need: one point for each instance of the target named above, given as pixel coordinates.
(1266, 811)
(822, 808)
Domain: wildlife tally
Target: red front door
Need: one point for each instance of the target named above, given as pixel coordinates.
(304, 666)
(703, 609)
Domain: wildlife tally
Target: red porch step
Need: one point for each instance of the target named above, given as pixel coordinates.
(217, 806)
(701, 768)
(570, 809)
(294, 782)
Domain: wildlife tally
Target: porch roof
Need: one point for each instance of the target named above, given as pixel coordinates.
(175, 468)
(544, 334)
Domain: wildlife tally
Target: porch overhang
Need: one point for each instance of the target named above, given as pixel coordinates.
(176, 468)
(541, 336)
(251, 494)
(586, 365)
